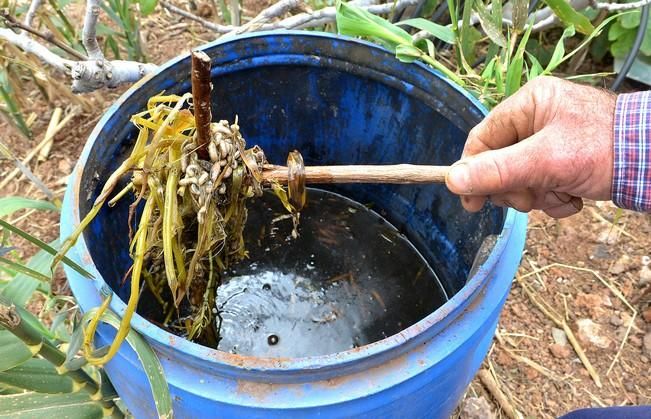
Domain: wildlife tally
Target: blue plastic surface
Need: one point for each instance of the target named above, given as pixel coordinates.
(338, 101)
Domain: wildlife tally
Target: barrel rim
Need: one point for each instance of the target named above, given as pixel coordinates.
(71, 217)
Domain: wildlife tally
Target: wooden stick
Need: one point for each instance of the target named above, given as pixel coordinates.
(201, 89)
(398, 174)
(54, 121)
(493, 388)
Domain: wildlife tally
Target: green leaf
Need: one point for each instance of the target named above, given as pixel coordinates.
(640, 71)
(488, 73)
(520, 12)
(147, 7)
(408, 53)
(444, 33)
(645, 48)
(44, 246)
(19, 268)
(73, 348)
(599, 47)
(354, 21)
(569, 16)
(493, 31)
(623, 45)
(429, 7)
(37, 405)
(148, 359)
(559, 51)
(616, 31)
(22, 286)
(468, 34)
(5, 390)
(12, 107)
(11, 204)
(37, 375)
(514, 71)
(630, 20)
(13, 351)
(536, 69)
(589, 38)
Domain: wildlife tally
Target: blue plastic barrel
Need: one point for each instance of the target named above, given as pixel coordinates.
(338, 101)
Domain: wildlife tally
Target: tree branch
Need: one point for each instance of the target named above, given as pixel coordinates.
(201, 89)
(31, 12)
(618, 7)
(203, 22)
(89, 35)
(11, 22)
(273, 11)
(32, 47)
(86, 75)
(328, 15)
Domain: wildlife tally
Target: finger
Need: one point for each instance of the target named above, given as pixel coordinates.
(520, 166)
(473, 203)
(522, 201)
(551, 199)
(565, 210)
(509, 122)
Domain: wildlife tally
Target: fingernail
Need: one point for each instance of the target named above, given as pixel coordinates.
(577, 203)
(458, 178)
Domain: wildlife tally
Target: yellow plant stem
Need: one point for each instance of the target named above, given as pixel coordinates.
(170, 217)
(125, 324)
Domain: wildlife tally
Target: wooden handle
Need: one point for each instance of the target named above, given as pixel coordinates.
(398, 173)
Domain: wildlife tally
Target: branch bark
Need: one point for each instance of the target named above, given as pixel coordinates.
(618, 7)
(273, 11)
(11, 22)
(201, 89)
(89, 34)
(31, 12)
(203, 22)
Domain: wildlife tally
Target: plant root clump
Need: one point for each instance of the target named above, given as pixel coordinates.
(193, 199)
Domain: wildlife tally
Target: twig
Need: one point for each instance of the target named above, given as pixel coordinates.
(49, 137)
(493, 388)
(560, 322)
(96, 73)
(235, 12)
(544, 371)
(11, 22)
(273, 11)
(618, 7)
(201, 89)
(203, 22)
(86, 75)
(36, 149)
(4, 150)
(600, 217)
(31, 12)
(89, 35)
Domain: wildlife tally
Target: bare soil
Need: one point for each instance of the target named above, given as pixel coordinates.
(598, 272)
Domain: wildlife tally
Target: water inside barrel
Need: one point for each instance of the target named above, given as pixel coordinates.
(349, 279)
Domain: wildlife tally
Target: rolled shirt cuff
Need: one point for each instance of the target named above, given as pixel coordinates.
(631, 188)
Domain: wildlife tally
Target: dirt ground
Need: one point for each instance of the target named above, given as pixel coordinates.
(589, 275)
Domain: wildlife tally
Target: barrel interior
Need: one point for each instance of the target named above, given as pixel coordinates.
(335, 111)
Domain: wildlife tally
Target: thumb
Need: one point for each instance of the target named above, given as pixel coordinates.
(515, 167)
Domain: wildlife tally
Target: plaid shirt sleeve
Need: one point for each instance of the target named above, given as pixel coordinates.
(631, 187)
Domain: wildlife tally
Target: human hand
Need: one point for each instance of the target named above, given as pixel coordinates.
(545, 147)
